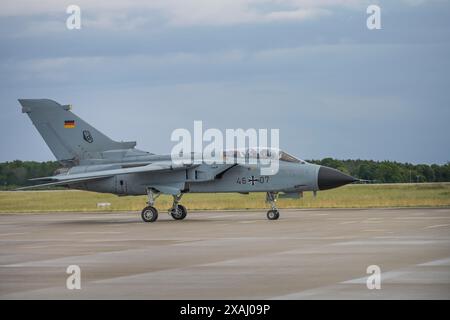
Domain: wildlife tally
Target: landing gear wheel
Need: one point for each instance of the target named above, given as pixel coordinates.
(149, 214)
(273, 214)
(180, 214)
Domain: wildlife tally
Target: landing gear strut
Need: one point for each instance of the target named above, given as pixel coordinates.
(178, 211)
(149, 213)
(272, 214)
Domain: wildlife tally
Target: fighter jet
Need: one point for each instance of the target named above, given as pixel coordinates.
(91, 161)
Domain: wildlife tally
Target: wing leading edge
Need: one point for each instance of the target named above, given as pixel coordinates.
(68, 179)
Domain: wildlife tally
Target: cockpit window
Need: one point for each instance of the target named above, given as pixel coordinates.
(261, 154)
(289, 158)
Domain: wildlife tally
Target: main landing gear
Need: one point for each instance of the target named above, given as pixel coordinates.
(272, 214)
(150, 213)
(178, 211)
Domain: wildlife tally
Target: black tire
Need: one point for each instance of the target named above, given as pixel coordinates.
(273, 214)
(149, 214)
(181, 214)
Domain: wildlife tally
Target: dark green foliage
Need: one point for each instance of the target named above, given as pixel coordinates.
(17, 173)
(389, 171)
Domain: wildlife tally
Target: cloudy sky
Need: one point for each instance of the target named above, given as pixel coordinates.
(137, 70)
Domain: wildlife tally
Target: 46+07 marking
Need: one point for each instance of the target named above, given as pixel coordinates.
(252, 180)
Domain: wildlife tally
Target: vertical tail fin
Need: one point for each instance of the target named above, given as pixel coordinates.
(69, 137)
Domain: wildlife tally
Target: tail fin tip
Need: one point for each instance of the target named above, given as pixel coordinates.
(29, 104)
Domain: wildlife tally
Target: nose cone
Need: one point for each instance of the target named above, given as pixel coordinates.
(329, 178)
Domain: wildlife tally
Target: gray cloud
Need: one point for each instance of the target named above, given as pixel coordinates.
(332, 87)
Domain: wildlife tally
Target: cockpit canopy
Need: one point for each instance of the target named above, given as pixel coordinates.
(262, 153)
(284, 156)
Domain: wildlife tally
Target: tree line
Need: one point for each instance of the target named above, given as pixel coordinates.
(389, 171)
(17, 173)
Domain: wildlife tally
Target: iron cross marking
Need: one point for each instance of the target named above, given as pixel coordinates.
(253, 180)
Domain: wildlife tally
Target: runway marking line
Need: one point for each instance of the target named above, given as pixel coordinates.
(13, 234)
(95, 232)
(440, 262)
(437, 226)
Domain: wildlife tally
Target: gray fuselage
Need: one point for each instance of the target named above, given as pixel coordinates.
(292, 177)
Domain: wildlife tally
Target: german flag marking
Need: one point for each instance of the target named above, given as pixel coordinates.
(69, 124)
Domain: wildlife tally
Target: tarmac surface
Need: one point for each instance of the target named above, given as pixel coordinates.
(306, 254)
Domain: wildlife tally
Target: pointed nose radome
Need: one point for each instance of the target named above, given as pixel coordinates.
(329, 178)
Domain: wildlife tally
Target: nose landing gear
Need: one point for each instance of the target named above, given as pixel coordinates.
(272, 214)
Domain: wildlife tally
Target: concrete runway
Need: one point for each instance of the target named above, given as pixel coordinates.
(307, 254)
